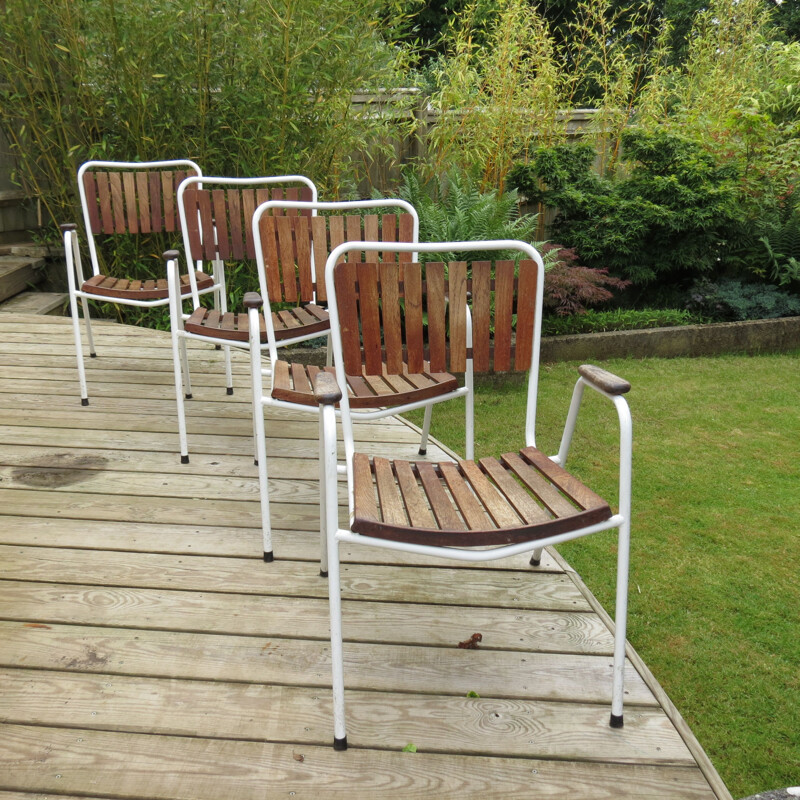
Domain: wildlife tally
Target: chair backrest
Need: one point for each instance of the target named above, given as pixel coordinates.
(126, 197)
(396, 317)
(216, 213)
(289, 248)
(458, 317)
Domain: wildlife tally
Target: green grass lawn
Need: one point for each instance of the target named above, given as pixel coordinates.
(715, 559)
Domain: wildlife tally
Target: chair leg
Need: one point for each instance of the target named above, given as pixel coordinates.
(263, 481)
(187, 376)
(177, 363)
(536, 558)
(323, 504)
(426, 429)
(620, 623)
(76, 330)
(228, 370)
(469, 423)
(88, 322)
(329, 525)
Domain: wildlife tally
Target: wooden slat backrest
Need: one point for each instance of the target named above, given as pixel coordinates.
(132, 201)
(392, 319)
(289, 242)
(503, 315)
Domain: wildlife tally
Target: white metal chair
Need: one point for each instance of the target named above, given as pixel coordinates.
(124, 198)
(283, 238)
(216, 220)
(291, 383)
(468, 510)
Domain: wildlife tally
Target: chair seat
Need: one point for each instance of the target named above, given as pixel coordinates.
(105, 286)
(517, 498)
(287, 324)
(293, 382)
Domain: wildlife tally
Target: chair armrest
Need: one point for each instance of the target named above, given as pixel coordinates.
(171, 255)
(604, 380)
(326, 389)
(68, 226)
(252, 300)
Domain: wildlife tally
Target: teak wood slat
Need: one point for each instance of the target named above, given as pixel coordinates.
(105, 286)
(496, 509)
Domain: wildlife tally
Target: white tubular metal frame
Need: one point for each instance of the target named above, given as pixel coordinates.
(263, 399)
(74, 264)
(183, 386)
(334, 535)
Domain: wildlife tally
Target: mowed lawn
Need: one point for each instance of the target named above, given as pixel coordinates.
(715, 562)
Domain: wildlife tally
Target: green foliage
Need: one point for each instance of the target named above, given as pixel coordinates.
(732, 300)
(453, 208)
(672, 217)
(618, 319)
(243, 87)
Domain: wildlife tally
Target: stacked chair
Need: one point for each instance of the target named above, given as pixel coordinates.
(377, 389)
(386, 321)
(216, 219)
(283, 240)
(131, 199)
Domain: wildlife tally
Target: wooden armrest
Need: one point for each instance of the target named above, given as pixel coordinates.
(252, 300)
(170, 255)
(326, 390)
(68, 226)
(603, 379)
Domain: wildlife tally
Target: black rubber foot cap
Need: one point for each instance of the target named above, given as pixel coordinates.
(218, 347)
(229, 390)
(616, 721)
(323, 573)
(255, 461)
(340, 744)
(92, 355)
(184, 459)
(535, 562)
(268, 557)
(84, 401)
(188, 396)
(423, 451)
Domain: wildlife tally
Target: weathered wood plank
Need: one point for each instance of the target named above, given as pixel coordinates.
(302, 716)
(256, 615)
(218, 540)
(304, 662)
(445, 586)
(70, 478)
(210, 444)
(187, 768)
(86, 418)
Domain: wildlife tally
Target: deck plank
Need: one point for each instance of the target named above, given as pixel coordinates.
(191, 768)
(148, 651)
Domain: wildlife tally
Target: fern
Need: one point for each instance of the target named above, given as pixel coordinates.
(453, 209)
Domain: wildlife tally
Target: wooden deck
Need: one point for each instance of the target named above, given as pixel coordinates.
(146, 650)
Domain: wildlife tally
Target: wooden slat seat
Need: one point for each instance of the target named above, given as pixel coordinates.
(519, 497)
(293, 382)
(287, 323)
(125, 288)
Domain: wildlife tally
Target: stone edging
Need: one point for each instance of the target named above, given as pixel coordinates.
(754, 336)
